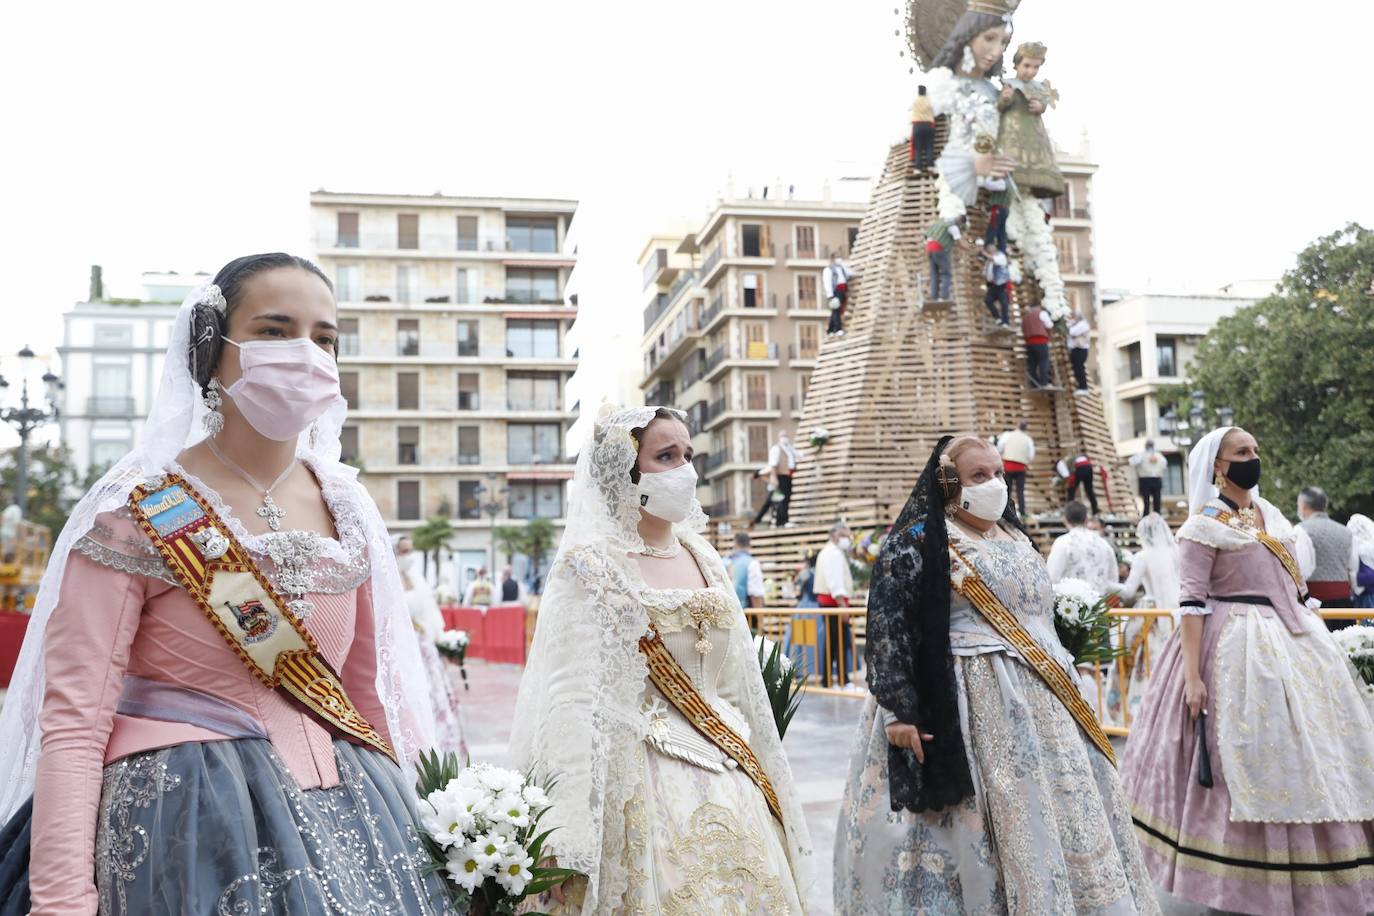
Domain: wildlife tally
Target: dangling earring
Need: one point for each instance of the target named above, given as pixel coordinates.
(967, 64)
(1218, 481)
(313, 440)
(214, 420)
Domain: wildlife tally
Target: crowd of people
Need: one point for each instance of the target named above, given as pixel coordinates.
(159, 759)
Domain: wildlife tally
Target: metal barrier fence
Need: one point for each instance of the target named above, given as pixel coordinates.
(829, 644)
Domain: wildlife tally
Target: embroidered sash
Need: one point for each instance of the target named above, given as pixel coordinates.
(227, 586)
(675, 684)
(965, 580)
(1271, 543)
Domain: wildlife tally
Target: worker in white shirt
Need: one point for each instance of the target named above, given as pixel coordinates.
(1150, 466)
(836, 277)
(1018, 451)
(1079, 334)
(782, 464)
(834, 585)
(1082, 553)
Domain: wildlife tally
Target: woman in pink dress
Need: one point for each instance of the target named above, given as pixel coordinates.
(1250, 769)
(165, 775)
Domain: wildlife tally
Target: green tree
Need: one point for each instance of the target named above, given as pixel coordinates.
(1295, 367)
(539, 539)
(54, 486)
(431, 537)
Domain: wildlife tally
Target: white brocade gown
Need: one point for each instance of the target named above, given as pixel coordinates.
(700, 838)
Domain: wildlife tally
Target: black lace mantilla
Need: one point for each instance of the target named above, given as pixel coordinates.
(910, 668)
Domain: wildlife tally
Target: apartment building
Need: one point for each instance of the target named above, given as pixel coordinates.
(734, 316)
(112, 352)
(1146, 343)
(453, 357)
(1072, 224)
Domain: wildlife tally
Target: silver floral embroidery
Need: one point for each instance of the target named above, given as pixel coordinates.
(294, 553)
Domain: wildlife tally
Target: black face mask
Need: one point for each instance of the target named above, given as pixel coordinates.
(1244, 474)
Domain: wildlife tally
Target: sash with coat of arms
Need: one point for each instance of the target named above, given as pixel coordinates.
(247, 610)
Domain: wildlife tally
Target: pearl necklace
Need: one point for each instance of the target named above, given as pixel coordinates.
(662, 553)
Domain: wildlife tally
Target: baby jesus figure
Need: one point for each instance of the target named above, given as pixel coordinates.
(1021, 132)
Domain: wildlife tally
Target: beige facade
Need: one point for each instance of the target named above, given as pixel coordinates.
(453, 356)
(1072, 223)
(734, 318)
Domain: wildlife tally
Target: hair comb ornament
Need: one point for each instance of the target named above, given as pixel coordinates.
(213, 297)
(947, 476)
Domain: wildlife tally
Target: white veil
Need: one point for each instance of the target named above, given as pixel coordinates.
(578, 715)
(1159, 553)
(173, 424)
(1362, 529)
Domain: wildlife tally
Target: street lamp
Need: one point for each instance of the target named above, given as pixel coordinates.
(492, 507)
(26, 419)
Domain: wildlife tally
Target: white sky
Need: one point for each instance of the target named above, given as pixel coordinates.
(149, 136)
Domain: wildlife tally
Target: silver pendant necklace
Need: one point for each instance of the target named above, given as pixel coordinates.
(269, 509)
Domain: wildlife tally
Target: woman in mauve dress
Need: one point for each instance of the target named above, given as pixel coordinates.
(1287, 824)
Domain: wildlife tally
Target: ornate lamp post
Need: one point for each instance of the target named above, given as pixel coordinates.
(1183, 431)
(495, 502)
(26, 419)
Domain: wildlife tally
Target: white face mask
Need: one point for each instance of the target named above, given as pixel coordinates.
(668, 494)
(844, 544)
(987, 500)
(286, 385)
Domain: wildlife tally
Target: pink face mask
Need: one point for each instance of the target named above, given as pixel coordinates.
(286, 385)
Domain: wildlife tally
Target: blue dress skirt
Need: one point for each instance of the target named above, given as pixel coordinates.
(222, 827)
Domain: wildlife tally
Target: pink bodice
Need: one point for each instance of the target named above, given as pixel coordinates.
(115, 617)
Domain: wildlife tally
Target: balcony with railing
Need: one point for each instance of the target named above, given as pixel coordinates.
(684, 279)
(716, 459)
(1076, 266)
(110, 407)
(654, 309)
(438, 243)
(661, 395)
(791, 252)
(797, 352)
(713, 257)
(416, 295)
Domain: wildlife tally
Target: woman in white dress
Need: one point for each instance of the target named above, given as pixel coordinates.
(429, 623)
(1155, 573)
(664, 810)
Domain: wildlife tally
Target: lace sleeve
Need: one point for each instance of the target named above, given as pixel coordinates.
(889, 652)
(115, 542)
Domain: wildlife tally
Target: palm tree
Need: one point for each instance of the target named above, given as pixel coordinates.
(539, 538)
(511, 539)
(433, 536)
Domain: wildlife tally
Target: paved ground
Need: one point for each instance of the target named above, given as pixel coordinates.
(818, 744)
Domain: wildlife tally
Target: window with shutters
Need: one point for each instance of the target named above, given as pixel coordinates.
(469, 445)
(1068, 254)
(348, 387)
(758, 441)
(533, 443)
(407, 336)
(408, 500)
(407, 230)
(407, 391)
(347, 286)
(348, 443)
(407, 445)
(751, 290)
(808, 340)
(467, 233)
(751, 240)
(469, 391)
(349, 344)
(755, 391)
(805, 238)
(469, 499)
(467, 338)
(808, 291)
(347, 230)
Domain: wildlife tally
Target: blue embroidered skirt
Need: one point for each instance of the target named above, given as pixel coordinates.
(222, 827)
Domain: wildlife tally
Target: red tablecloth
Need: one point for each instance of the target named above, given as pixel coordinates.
(496, 634)
(12, 627)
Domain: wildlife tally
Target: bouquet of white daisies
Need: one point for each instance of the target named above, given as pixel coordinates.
(453, 645)
(481, 827)
(1358, 644)
(1080, 619)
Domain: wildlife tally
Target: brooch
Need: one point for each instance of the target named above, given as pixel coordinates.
(212, 544)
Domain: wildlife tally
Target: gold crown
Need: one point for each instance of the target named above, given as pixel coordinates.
(1033, 50)
(994, 7)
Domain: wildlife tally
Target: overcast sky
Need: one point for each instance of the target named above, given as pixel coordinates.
(152, 136)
